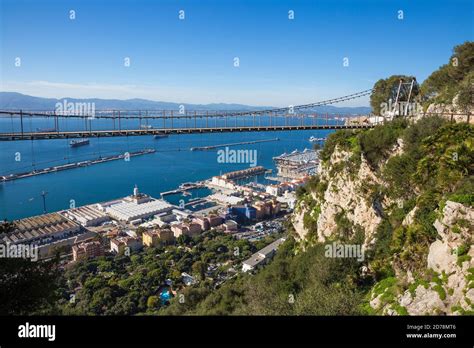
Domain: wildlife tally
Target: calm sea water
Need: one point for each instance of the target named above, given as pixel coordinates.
(172, 164)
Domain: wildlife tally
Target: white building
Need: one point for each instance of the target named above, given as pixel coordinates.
(262, 256)
(188, 279)
(226, 199)
(160, 220)
(274, 190)
(86, 216)
(289, 198)
(222, 182)
(131, 210)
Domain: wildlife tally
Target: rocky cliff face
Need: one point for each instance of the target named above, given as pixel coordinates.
(432, 268)
(346, 193)
(451, 290)
(343, 196)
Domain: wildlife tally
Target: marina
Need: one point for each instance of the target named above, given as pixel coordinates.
(155, 173)
(183, 188)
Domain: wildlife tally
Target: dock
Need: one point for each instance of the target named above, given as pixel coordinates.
(211, 147)
(59, 168)
(183, 188)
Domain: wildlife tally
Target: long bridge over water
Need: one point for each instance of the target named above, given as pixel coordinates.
(172, 130)
(109, 123)
(32, 125)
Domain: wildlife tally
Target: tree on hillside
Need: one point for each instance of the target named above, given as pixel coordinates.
(26, 286)
(386, 90)
(451, 79)
(199, 269)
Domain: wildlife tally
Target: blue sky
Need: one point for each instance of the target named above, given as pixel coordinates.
(282, 61)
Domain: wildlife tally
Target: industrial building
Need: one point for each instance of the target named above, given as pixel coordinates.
(41, 229)
(160, 220)
(132, 210)
(86, 216)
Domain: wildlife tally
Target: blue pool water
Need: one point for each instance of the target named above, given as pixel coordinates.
(165, 296)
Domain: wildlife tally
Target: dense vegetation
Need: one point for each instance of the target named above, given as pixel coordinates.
(127, 285)
(304, 284)
(421, 165)
(425, 174)
(27, 286)
(452, 80)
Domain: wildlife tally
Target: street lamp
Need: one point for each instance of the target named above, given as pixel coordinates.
(44, 193)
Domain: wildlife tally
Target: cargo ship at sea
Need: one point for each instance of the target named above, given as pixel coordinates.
(46, 130)
(76, 143)
(159, 136)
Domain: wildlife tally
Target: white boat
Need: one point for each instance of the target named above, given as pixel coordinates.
(77, 143)
(313, 139)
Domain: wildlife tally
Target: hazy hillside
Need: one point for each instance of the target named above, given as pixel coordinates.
(13, 100)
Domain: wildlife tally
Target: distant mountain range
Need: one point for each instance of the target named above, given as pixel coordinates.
(15, 101)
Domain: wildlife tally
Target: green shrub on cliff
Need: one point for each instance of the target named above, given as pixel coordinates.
(451, 79)
(377, 143)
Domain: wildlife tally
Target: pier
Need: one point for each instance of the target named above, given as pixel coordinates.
(74, 165)
(183, 188)
(211, 147)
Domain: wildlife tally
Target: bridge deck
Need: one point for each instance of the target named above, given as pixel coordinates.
(156, 131)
